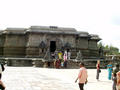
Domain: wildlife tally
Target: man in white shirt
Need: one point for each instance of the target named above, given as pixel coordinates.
(82, 76)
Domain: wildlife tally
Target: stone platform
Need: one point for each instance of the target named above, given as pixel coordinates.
(40, 62)
(32, 78)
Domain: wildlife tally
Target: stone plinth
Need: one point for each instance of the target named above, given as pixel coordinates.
(38, 63)
(73, 64)
(32, 51)
(18, 62)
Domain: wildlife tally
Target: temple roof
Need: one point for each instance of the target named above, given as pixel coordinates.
(15, 31)
(52, 29)
(83, 34)
(95, 37)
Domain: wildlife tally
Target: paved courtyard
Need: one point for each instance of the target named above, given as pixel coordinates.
(32, 78)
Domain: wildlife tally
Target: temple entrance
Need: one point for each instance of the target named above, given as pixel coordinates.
(52, 46)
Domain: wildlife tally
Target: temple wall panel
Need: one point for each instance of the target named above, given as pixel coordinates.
(15, 41)
(35, 39)
(82, 43)
(93, 44)
(14, 45)
(69, 39)
(1, 45)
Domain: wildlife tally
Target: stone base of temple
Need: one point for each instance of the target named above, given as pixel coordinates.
(19, 62)
(39, 62)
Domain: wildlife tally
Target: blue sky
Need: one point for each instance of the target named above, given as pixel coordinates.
(100, 17)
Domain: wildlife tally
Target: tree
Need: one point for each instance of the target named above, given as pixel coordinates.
(109, 50)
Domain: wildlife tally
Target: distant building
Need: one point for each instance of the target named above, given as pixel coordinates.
(37, 40)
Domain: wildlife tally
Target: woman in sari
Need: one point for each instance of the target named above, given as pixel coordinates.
(109, 67)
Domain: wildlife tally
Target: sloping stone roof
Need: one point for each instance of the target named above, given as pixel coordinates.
(83, 34)
(15, 31)
(95, 37)
(52, 29)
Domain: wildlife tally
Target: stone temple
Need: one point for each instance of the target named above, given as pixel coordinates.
(20, 46)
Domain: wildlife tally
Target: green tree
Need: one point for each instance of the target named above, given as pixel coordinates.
(109, 50)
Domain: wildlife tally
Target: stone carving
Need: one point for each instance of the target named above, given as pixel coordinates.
(79, 56)
(67, 45)
(42, 45)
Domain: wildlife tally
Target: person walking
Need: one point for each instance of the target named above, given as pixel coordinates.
(57, 63)
(82, 76)
(60, 56)
(109, 67)
(98, 69)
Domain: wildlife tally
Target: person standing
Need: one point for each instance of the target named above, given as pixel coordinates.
(56, 54)
(116, 73)
(114, 79)
(115, 69)
(98, 69)
(65, 60)
(82, 76)
(60, 56)
(109, 67)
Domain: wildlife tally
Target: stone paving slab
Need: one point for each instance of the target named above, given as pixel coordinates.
(32, 78)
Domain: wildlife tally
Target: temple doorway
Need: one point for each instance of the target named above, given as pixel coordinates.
(52, 46)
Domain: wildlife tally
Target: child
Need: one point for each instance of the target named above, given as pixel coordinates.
(114, 78)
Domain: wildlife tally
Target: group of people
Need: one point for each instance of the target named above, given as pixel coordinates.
(61, 59)
(113, 74)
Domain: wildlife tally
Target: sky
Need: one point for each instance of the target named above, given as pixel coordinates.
(101, 17)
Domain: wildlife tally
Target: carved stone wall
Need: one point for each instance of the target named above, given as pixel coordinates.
(32, 45)
(1, 44)
(82, 43)
(92, 44)
(36, 41)
(93, 48)
(14, 45)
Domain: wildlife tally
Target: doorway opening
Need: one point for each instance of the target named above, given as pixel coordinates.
(52, 46)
